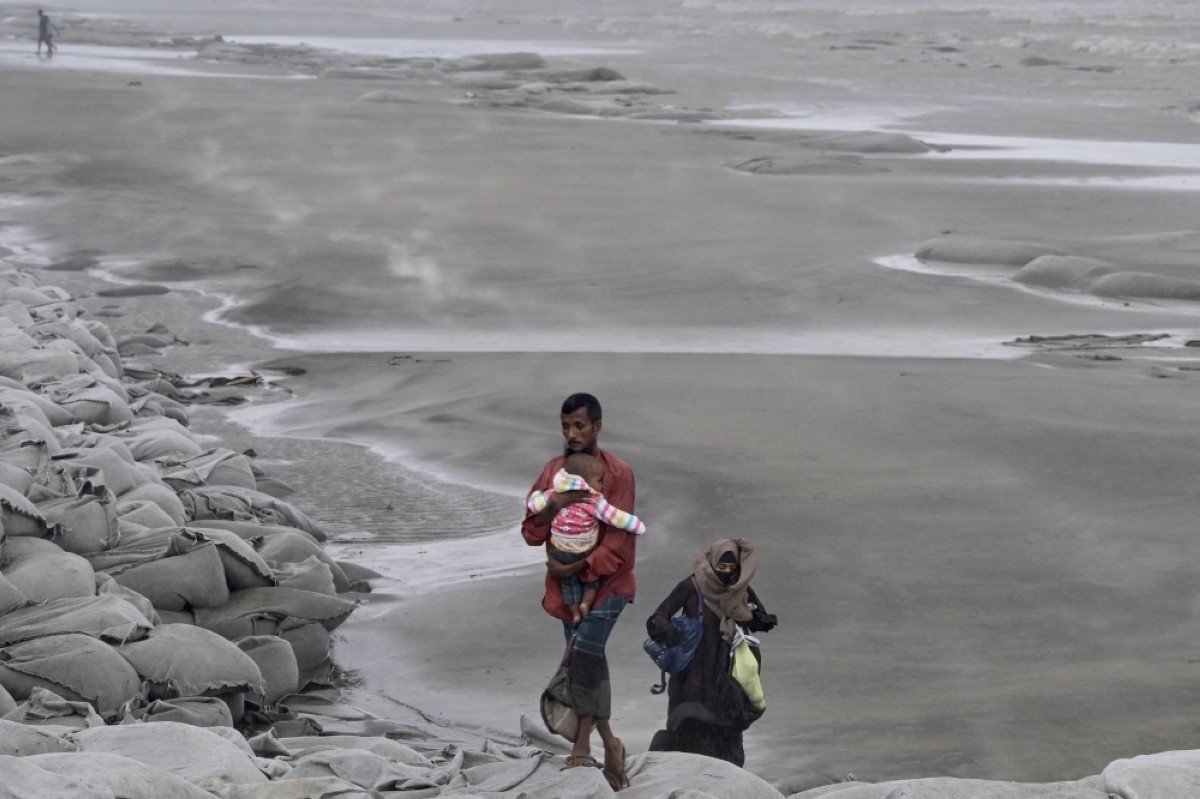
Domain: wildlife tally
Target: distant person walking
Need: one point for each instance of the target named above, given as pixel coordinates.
(46, 31)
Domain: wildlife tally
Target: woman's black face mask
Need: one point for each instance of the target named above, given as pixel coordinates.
(728, 578)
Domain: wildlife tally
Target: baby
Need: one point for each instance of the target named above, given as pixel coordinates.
(574, 530)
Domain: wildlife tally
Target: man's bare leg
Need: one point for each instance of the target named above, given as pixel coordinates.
(581, 751)
(614, 756)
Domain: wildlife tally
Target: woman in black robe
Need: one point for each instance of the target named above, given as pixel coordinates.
(707, 710)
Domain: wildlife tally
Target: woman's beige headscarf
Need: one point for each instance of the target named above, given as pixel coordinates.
(730, 602)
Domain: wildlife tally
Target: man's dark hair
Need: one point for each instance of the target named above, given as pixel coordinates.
(577, 401)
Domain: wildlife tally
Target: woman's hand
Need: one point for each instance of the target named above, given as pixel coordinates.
(660, 629)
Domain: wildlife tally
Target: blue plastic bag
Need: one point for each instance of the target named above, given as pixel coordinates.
(676, 660)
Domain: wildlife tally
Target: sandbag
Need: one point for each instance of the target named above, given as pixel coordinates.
(23, 779)
(120, 475)
(83, 524)
(197, 711)
(149, 403)
(74, 666)
(15, 314)
(54, 482)
(158, 437)
(190, 575)
(15, 477)
(144, 514)
(54, 414)
(48, 710)
(71, 329)
(18, 549)
(114, 775)
(184, 660)
(18, 428)
(309, 574)
(96, 405)
(176, 617)
(214, 467)
(31, 363)
(276, 662)
(195, 754)
(110, 618)
(244, 566)
(288, 547)
(22, 740)
(51, 575)
(11, 597)
(311, 646)
(307, 788)
(107, 586)
(367, 770)
(19, 516)
(7, 705)
(263, 611)
(31, 456)
(161, 495)
(20, 404)
(380, 745)
(243, 504)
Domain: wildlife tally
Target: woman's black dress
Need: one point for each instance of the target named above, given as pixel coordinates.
(707, 711)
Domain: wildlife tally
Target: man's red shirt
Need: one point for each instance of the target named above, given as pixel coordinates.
(612, 559)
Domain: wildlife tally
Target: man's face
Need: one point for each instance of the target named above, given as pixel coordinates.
(580, 432)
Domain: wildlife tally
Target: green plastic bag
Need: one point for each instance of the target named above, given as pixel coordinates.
(745, 669)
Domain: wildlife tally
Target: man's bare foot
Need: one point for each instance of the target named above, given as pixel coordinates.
(614, 764)
(576, 615)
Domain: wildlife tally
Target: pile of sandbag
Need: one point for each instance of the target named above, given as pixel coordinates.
(144, 577)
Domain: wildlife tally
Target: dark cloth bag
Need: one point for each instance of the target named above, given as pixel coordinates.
(558, 712)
